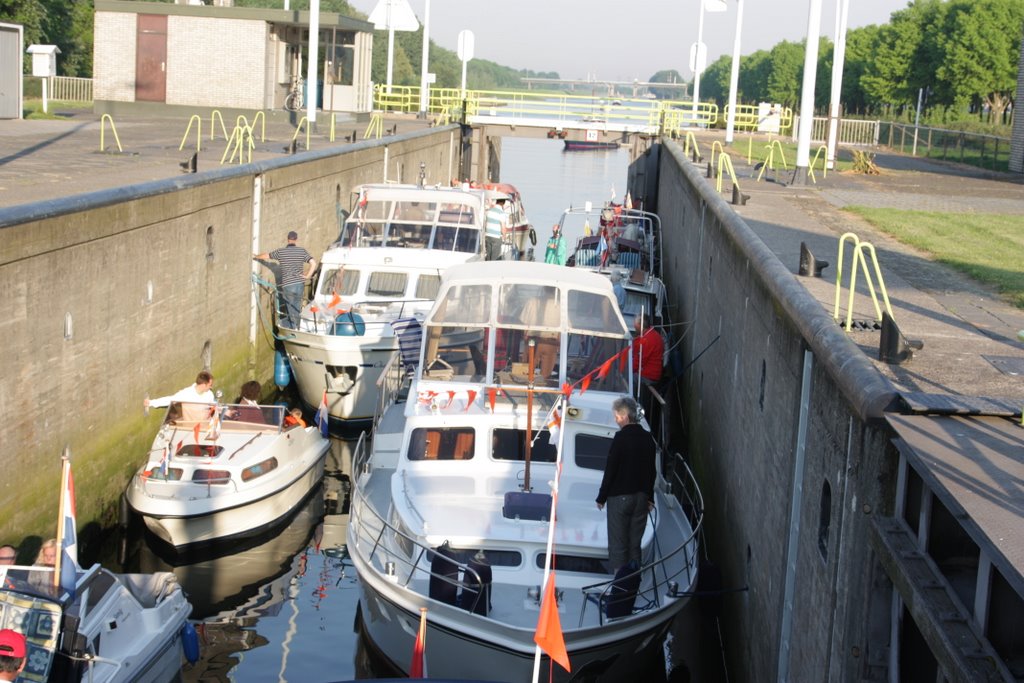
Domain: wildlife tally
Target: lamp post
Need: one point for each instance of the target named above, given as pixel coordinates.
(313, 61)
(803, 145)
(838, 58)
(424, 85)
(734, 74)
(700, 52)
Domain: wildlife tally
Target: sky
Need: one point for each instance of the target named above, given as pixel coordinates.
(624, 40)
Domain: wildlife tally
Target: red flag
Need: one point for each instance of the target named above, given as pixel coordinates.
(549, 627)
(492, 396)
(195, 431)
(451, 397)
(605, 367)
(418, 667)
(470, 397)
(567, 390)
(585, 384)
(623, 357)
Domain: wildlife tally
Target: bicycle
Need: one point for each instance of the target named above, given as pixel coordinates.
(293, 101)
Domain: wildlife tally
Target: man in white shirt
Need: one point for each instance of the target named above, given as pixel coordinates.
(495, 227)
(200, 392)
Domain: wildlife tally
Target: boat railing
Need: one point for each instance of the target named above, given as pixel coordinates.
(390, 383)
(145, 478)
(683, 485)
(415, 554)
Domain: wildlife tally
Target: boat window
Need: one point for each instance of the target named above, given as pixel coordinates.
(464, 304)
(445, 443)
(198, 450)
(592, 451)
(529, 306)
(157, 474)
(341, 281)
(211, 476)
(248, 413)
(593, 312)
(510, 444)
(573, 563)
(387, 284)
(605, 360)
(467, 240)
(427, 286)
(495, 558)
(455, 352)
(456, 214)
(259, 469)
(415, 211)
(409, 235)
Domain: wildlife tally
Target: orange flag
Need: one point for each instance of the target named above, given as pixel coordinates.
(567, 390)
(585, 384)
(623, 357)
(195, 431)
(418, 666)
(470, 397)
(603, 372)
(335, 300)
(492, 395)
(451, 397)
(549, 627)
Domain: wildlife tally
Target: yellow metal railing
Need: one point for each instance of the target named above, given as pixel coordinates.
(216, 116)
(858, 259)
(103, 127)
(199, 132)
(824, 163)
(769, 161)
(748, 117)
(724, 162)
(375, 127)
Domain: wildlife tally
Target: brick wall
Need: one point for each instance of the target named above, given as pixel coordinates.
(199, 75)
(113, 71)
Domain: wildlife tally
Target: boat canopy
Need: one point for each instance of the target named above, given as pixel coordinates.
(567, 319)
(413, 217)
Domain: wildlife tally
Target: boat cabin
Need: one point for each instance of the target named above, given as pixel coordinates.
(547, 326)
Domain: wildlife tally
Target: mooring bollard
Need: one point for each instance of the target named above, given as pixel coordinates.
(738, 198)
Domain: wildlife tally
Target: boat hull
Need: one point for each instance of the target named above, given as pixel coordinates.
(468, 652)
(247, 519)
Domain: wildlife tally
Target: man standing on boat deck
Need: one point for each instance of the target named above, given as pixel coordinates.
(200, 392)
(627, 485)
(292, 259)
(555, 252)
(495, 228)
(12, 654)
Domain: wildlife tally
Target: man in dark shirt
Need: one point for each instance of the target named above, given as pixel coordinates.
(628, 484)
(292, 260)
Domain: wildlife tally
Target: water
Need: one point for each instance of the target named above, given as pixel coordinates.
(283, 607)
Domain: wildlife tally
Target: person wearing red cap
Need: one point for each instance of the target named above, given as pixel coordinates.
(12, 654)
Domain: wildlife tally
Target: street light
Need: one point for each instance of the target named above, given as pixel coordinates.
(699, 54)
(424, 84)
(734, 74)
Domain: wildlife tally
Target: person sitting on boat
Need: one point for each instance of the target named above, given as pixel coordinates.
(12, 654)
(495, 228)
(627, 485)
(248, 409)
(620, 290)
(47, 555)
(648, 351)
(543, 311)
(191, 398)
(8, 555)
(555, 252)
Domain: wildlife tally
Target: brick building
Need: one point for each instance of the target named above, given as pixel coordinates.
(159, 56)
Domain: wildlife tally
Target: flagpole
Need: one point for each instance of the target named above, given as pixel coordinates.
(65, 467)
(560, 409)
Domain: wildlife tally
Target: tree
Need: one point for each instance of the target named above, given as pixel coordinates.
(714, 82)
(981, 50)
(786, 61)
(667, 76)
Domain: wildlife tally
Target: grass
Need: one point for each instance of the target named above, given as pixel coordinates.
(759, 152)
(986, 247)
(33, 109)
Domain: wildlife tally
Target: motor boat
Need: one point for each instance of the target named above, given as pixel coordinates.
(376, 284)
(216, 472)
(110, 628)
(626, 246)
(450, 506)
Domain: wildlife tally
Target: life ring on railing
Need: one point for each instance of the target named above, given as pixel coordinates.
(533, 236)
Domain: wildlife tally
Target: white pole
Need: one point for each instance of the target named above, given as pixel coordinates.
(45, 78)
(424, 86)
(838, 58)
(464, 62)
(697, 66)
(734, 75)
(312, 61)
(391, 47)
(917, 116)
(803, 146)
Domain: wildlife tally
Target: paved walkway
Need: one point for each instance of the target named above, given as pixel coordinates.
(972, 344)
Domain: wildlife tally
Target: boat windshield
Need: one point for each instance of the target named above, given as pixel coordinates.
(233, 416)
(570, 334)
(402, 223)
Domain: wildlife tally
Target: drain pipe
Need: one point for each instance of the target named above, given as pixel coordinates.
(794, 519)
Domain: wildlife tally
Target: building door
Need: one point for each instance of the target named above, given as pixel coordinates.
(151, 58)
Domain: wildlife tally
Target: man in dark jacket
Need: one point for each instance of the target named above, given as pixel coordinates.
(628, 484)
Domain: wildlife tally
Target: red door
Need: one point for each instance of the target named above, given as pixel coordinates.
(151, 58)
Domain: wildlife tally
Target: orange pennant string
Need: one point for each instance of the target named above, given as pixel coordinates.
(585, 384)
(492, 396)
(470, 397)
(605, 367)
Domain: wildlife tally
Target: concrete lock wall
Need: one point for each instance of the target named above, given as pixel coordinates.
(113, 295)
(792, 499)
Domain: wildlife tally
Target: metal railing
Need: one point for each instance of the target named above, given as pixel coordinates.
(975, 149)
(70, 89)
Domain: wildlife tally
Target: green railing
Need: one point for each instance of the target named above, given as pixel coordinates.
(984, 151)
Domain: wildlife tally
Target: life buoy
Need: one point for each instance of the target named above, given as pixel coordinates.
(533, 237)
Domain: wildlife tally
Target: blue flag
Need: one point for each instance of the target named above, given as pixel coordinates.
(322, 416)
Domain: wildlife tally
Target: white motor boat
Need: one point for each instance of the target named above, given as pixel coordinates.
(112, 628)
(375, 286)
(450, 506)
(228, 475)
(625, 244)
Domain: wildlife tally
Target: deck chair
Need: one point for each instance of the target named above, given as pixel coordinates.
(410, 335)
(629, 259)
